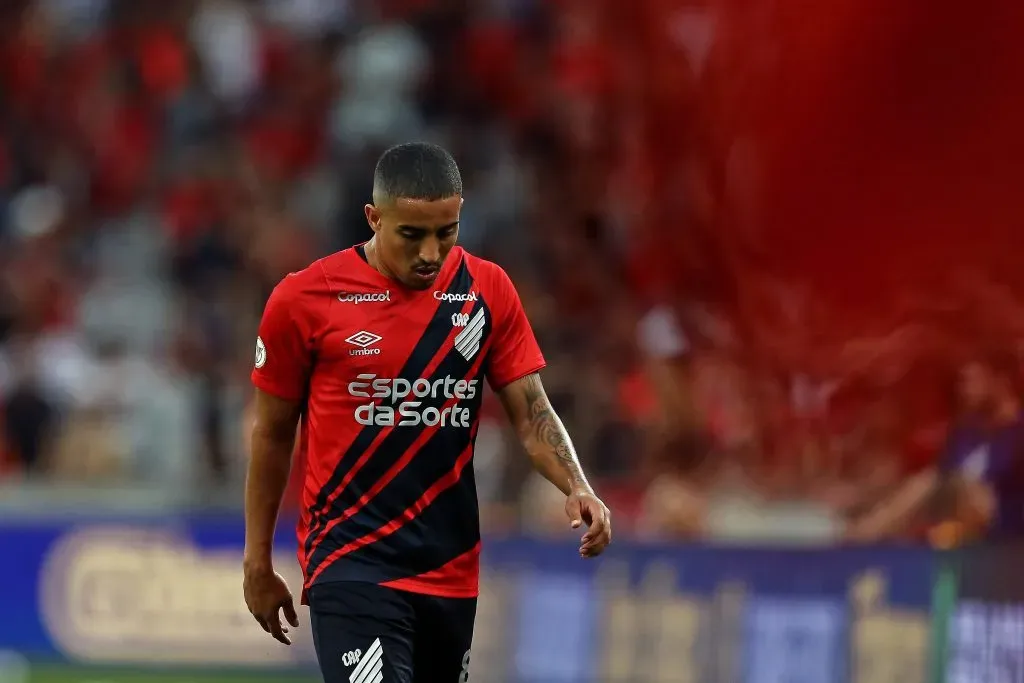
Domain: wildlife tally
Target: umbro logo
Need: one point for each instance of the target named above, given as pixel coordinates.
(364, 340)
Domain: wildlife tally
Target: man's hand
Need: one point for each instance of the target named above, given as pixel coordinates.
(266, 595)
(545, 440)
(584, 507)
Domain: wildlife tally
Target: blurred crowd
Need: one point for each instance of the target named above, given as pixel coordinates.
(164, 164)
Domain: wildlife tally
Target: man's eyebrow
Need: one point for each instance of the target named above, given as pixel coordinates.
(419, 228)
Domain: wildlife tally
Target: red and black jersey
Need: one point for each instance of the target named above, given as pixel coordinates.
(391, 380)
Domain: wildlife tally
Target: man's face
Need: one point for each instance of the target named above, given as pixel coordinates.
(414, 236)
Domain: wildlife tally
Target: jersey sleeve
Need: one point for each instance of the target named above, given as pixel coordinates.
(284, 345)
(515, 352)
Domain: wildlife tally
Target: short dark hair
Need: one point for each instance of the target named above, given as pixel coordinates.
(416, 170)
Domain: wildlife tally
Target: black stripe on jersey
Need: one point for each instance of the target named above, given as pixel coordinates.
(430, 343)
(446, 529)
(435, 458)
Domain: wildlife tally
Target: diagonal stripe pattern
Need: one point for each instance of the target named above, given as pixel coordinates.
(369, 668)
(467, 342)
(370, 437)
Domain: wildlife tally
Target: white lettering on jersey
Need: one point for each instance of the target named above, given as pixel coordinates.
(452, 298)
(390, 409)
(364, 340)
(364, 297)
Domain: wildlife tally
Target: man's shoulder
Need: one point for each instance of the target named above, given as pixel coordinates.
(491, 277)
(313, 280)
(474, 262)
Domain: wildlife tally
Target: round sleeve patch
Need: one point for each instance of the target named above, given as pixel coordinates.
(261, 353)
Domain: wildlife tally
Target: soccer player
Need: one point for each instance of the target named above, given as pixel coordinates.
(381, 352)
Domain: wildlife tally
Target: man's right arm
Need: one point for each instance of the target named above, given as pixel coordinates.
(280, 374)
(273, 440)
(284, 352)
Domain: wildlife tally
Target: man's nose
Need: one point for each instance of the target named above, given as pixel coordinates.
(430, 250)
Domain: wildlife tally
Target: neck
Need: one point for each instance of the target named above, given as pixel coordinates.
(373, 258)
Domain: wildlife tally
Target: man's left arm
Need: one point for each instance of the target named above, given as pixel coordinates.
(550, 449)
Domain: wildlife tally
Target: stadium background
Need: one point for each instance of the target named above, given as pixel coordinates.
(757, 238)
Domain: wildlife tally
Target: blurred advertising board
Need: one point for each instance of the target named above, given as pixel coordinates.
(121, 593)
(124, 593)
(986, 625)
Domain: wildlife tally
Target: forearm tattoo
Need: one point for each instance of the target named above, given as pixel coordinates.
(547, 429)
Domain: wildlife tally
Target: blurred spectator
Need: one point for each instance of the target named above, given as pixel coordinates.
(979, 475)
(30, 419)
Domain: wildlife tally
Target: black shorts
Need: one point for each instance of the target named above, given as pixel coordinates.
(365, 633)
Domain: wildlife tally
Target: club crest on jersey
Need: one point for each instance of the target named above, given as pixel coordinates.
(467, 342)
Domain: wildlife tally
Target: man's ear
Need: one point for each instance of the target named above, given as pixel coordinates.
(372, 217)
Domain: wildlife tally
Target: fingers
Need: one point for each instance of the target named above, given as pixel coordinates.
(266, 596)
(597, 518)
(589, 510)
(595, 515)
(271, 622)
(575, 512)
(289, 612)
(599, 535)
(273, 626)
